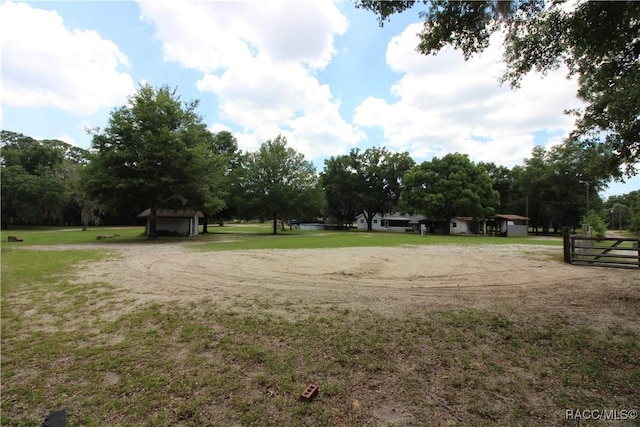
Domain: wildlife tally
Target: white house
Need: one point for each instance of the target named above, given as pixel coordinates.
(174, 221)
(390, 222)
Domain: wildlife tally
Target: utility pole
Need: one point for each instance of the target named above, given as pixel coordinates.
(612, 219)
(526, 208)
(586, 183)
(620, 218)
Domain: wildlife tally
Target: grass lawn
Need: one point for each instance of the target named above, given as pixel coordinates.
(254, 236)
(198, 364)
(66, 235)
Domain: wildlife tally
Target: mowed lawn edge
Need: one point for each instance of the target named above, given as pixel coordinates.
(254, 236)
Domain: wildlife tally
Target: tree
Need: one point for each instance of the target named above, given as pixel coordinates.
(278, 182)
(449, 187)
(154, 153)
(35, 157)
(634, 216)
(38, 180)
(596, 223)
(340, 183)
(372, 179)
(557, 184)
(380, 174)
(505, 182)
(597, 41)
(622, 211)
(225, 145)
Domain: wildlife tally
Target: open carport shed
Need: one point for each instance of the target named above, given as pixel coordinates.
(508, 225)
(174, 221)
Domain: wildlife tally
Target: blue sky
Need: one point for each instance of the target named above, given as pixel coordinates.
(324, 74)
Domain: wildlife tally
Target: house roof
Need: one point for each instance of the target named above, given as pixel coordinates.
(397, 216)
(172, 213)
(510, 217)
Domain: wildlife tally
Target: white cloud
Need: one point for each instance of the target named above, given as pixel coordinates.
(260, 60)
(211, 35)
(445, 104)
(45, 64)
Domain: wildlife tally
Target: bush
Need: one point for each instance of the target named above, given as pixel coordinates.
(596, 222)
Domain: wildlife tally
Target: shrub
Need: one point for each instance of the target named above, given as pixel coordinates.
(596, 222)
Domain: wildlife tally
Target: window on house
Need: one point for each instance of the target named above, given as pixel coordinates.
(375, 221)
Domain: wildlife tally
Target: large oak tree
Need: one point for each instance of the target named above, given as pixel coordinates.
(367, 182)
(277, 182)
(451, 186)
(154, 153)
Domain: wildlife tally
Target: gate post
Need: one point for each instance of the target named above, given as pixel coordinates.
(566, 240)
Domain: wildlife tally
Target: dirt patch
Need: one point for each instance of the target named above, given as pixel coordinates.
(388, 280)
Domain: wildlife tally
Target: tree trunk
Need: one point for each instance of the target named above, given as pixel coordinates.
(369, 219)
(84, 216)
(205, 223)
(275, 224)
(151, 232)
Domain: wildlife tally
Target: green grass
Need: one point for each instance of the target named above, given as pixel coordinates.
(236, 238)
(254, 236)
(67, 235)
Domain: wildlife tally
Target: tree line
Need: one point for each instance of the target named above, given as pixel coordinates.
(155, 152)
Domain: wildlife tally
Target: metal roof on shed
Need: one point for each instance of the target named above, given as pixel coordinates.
(172, 213)
(510, 217)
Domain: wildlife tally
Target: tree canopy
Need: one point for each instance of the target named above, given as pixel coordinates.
(597, 41)
(367, 182)
(41, 184)
(226, 146)
(277, 183)
(340, 182)
(39, 180)
(449, 187)
(154, 153)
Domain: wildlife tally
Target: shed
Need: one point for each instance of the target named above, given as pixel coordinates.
(510, 225)
(181, 222)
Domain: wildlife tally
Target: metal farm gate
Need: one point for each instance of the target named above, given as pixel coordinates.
(602, 251)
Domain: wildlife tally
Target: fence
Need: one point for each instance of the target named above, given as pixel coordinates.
(601, 251)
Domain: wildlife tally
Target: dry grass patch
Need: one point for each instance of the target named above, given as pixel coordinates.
(447, 358)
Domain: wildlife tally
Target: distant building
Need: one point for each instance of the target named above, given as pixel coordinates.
(174, 221)
(391, 222)
(509, 225)
(499, 224)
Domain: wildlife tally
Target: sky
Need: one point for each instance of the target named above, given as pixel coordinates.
(323, 74)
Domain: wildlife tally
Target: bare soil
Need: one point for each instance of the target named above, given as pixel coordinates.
(391, 281)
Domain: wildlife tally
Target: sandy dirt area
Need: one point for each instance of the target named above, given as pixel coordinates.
(388, 280)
